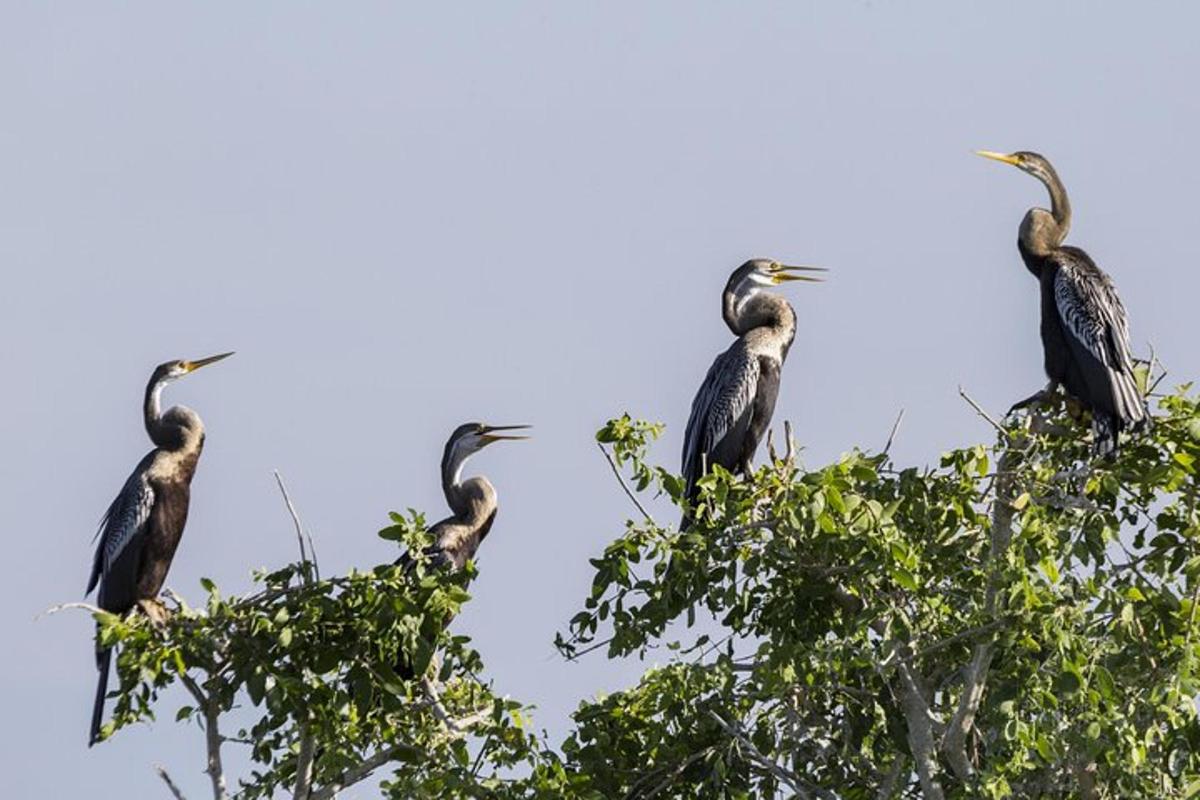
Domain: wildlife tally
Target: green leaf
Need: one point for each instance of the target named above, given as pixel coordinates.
(904, 578)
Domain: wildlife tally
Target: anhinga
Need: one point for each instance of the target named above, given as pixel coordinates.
(733, 408)
(142, 527)
(472, 501)
(1085, 332)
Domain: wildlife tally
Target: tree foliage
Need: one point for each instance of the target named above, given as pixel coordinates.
(1018, 621)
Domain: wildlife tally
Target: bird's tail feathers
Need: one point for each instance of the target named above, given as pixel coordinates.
(103, 661)
(1105, 430)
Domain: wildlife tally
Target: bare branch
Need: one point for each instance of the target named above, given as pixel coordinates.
(802, 788)
(162, 773)
(439, 710)
(304, 759)
(295, 518)
(212, 735)
(979, 410)
(64, 606)
(304, 768)
(790, 454)
(364, 769)
(975, 676)
(892, 436)
(919, 723)
(891, 781)
(621, 480)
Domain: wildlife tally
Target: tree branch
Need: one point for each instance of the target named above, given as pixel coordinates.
(802, 788)
(304, 767)
(975, 677)
(295, 519)
(212, 735)
(895, 427)
(621, 480)
(364, 769)
(162, 773)
(919, 724)
(304, 758)
(64, 606)
(891, 781)
(979, 410)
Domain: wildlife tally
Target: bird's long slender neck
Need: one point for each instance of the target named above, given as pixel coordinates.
(761, 310)
(1042, 231)
(152, 412)
(165, 431)
(457, 497)
(1060, 205)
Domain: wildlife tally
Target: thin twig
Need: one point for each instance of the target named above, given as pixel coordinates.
(621, 479)
(799, 785)
(295, 517)
(162, 773)
(979, 410)
(64, 606)
(366, 767)
(304, 758)
(892, 436)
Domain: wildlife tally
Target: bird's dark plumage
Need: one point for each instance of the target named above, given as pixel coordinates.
(732, 410)
(141, 530)
(472, 501)
(1084, 327)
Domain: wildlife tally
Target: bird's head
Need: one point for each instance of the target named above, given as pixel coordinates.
(761, 273)
(170, 371)
(472, 437)
(1035, 164)
(1041, 229)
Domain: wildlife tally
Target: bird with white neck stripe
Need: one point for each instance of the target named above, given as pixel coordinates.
(733, 408)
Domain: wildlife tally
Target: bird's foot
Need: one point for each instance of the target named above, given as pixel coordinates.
(155, 610)
(1038, 398)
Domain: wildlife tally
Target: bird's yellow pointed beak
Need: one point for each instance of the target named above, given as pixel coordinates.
(1004, 158)
(781, 273)
(489, 436)
(192, 366)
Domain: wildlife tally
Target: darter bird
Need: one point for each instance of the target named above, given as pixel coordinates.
(141, 529)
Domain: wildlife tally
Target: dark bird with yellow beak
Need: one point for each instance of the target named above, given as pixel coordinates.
(472, 501)
(142, 528)
(733, 408)
(1085, 331)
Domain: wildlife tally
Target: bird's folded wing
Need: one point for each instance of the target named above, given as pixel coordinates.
(725, 397)
(1094, 317)
(124, 520)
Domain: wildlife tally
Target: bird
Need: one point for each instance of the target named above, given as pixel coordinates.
(1084, 327)
(733, 407)
(140, 531)
(472, 502)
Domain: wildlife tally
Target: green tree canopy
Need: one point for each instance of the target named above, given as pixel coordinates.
(1017, 621)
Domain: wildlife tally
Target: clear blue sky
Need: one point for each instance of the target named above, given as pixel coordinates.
(407, 216)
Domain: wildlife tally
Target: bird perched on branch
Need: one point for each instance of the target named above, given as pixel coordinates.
(733, 408)
(142, 528)
(472, 501)
(1085, 331)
